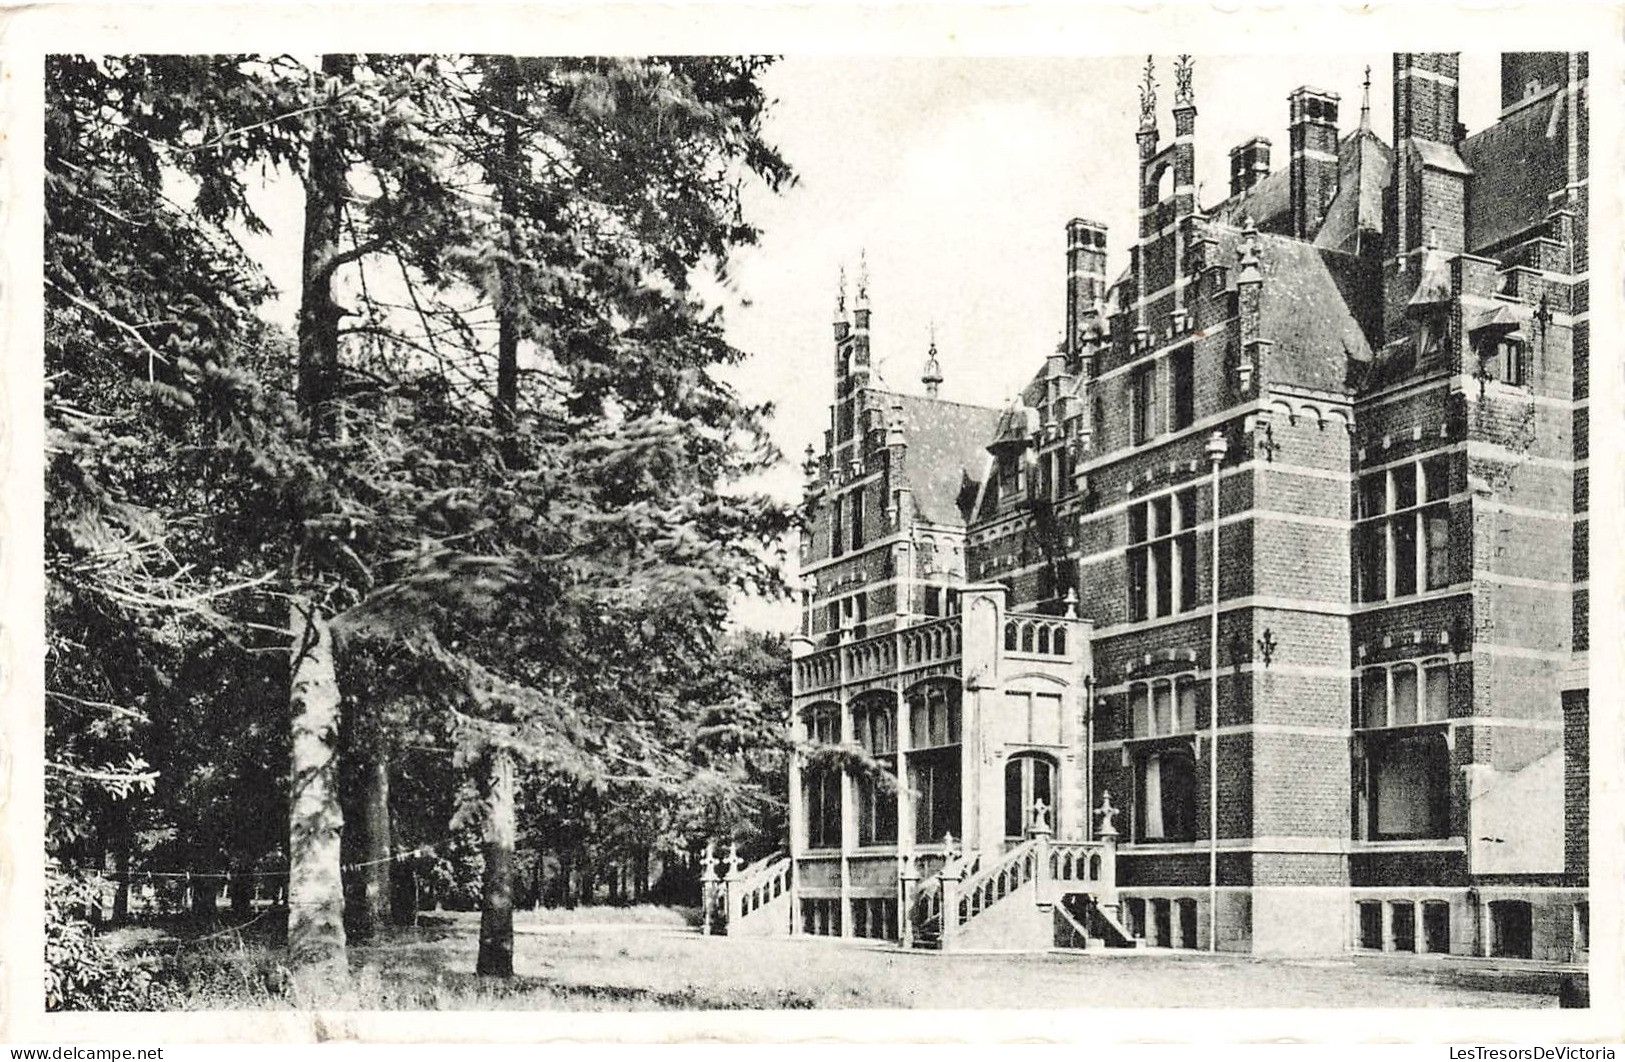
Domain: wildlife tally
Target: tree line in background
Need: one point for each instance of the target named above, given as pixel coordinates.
(440, 580)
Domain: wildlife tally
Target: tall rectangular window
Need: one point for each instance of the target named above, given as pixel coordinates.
(837, 541)
(857, 517)
(1182, 388)
(1162, 556)
(1402, 541)
(1143, 404)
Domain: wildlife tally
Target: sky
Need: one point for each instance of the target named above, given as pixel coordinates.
(955, 179)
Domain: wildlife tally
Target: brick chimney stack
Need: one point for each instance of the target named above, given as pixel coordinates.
(1085, 277)
(1314, 162)
(1249, 164)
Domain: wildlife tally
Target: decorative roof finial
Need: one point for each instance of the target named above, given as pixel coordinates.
(1148, 95)
(1365, 102)
(862, 301)
(1184, 93)
(931, 376)
(840, 295)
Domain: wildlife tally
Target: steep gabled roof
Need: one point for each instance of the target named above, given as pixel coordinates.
(1516, 163)
(1310, 312)
(947, 454)
(1364, 166)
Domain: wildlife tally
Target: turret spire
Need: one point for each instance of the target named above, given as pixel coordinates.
(840, 296)
(1365, 102)
(931, 377)
(862, 301)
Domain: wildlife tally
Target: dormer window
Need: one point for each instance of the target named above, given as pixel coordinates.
(1505, 359)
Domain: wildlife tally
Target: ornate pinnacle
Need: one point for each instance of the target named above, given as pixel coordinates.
(932, 375)
(863, 279)
(1184, 94)
(1148, 95)
(840, 295)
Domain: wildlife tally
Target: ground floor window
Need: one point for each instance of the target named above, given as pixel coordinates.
(821, 918)
(933, 775)
(1582, 926)
(1511, 929)
(1165, 796)
(1436, 927)
(875, 918)
(1403, 787)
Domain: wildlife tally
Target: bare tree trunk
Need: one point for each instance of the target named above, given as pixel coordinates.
(496, 901)
(316, 824)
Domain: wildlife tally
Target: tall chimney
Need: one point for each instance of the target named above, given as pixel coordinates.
(1429, 180)
(1313, 166)
(1249, 164)
(1085, 276)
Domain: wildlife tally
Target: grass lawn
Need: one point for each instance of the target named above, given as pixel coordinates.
(652, 960)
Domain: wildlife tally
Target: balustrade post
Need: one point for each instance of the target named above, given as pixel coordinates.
(952, 873)
(732, 887)
(708, 887)
(1039, 831)
(1108, 855)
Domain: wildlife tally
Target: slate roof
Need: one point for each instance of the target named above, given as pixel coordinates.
(1309, 311)
(1515, 162)
(1364, 166)
(947, 455)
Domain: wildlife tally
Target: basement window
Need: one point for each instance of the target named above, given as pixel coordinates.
(1512, 928)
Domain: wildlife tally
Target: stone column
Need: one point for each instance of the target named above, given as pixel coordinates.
(908, 887)
(708, 888)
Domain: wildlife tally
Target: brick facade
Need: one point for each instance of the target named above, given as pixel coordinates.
(1398, 396)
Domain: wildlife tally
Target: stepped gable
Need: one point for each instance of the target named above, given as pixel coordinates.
(947, 455)
(1516, 163)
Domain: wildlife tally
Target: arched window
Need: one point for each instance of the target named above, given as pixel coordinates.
(1028, 778)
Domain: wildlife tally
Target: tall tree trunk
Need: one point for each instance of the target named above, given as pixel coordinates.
(496, 900)
(373, 853)
(121, 867)
(496, 905)
(404, 908)
(316, 822)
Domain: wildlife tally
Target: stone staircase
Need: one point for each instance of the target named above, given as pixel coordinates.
(750, 901)
(1041, 894)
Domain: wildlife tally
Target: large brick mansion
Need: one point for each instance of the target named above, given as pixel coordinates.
(1012, 642)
